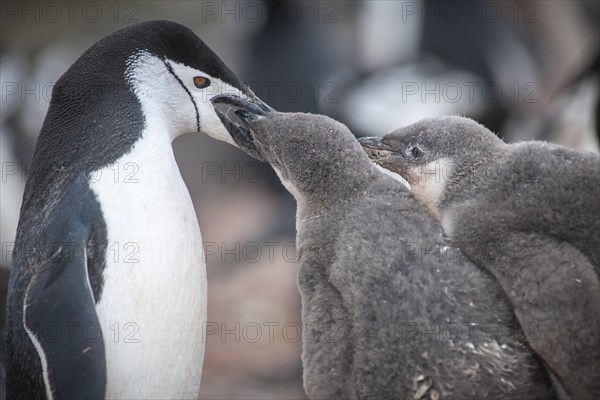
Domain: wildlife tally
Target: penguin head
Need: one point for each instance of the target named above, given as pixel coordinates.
(171, 71)
(429, 152)
(312, 154)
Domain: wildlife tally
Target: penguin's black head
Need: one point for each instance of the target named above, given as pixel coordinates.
(431, 146)
(178, 44)
(172, 72)
(312, 154)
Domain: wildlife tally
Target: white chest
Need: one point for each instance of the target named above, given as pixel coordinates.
(153, 304)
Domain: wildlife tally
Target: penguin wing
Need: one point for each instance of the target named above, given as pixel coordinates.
(555, 294)
(60, 319)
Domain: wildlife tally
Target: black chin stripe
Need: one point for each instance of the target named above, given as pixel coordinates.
(170, 69)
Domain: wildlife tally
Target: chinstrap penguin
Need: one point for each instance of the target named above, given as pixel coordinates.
(528, 213)
(377, 278)
(107, 293)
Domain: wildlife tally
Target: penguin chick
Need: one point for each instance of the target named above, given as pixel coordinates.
(380, 292)
(528, 213)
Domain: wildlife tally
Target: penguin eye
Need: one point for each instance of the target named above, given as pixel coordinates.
(416, 152)
(201, 82)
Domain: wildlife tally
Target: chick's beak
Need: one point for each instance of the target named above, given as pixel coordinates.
(375, 147)
(238, 115)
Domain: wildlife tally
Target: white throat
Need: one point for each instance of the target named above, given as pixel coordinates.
(169, 98)
(166, 106)
(431, 182)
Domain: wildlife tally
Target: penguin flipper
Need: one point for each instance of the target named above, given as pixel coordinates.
(60, 318)
(555, 293)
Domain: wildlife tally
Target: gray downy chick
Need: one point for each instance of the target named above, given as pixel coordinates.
(388, 309)
(529, 214)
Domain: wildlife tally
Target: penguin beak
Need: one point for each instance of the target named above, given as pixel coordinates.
(238, 116)
(385, 156)
(375, 147)
(255, 101)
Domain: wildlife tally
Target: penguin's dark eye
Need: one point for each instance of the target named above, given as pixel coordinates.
(416, 152)
(201, 82)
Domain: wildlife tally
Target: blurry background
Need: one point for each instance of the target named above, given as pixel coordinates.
(526, 69)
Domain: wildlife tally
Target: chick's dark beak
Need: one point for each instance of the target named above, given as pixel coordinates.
(375, 147)
(238, 115)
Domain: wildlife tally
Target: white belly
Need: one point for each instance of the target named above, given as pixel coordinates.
(153, 304)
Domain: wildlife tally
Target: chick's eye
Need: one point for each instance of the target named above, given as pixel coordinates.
(201, 82)
(416, 152)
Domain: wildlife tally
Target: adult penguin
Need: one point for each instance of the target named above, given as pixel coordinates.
(107, 295)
